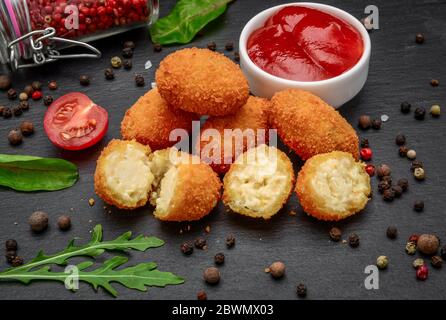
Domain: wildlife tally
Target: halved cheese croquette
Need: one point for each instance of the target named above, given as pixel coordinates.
(259, 182)
(333, 186)
(202, 81)
(123, 177)
(150, 121)
(249, 128)
(309, 126)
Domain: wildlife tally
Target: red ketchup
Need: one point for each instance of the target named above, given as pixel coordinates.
(304, 44)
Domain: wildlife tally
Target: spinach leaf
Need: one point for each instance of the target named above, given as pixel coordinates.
(186, 19)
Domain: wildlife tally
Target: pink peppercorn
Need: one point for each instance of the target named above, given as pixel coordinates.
(366, 154)
(370, 169)
(422, 272)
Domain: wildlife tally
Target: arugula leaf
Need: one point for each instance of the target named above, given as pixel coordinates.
(135, 277)
(27, 173)
(186, 19)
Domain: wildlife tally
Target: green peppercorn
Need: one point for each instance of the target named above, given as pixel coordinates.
(418, 263)
(411, 248)
(419, 174)
(116, 62)
(435, 110)
(382, 262)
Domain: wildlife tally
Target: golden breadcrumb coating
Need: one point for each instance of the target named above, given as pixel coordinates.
(333, 186)
(253, 115)
(309, 126)
(150, 121)
(259, 182)
(123, 177)
(202, 81)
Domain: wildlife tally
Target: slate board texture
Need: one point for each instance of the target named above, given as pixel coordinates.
(400, 70)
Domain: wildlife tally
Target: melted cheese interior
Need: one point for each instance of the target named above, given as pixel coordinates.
(166, 190)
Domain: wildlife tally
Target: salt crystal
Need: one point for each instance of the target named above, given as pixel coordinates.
(153, 85)
(148, 65)
(384, 118)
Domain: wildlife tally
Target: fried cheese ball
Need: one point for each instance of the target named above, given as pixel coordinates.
(150, 121)
(309, 126)
(259, 182)
(123, 177)
(252, 124)
(333, 186)
(202, 81)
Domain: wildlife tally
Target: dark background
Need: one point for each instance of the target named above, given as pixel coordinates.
(399, 70)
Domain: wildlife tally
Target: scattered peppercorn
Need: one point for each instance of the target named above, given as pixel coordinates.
(64, 222)
(382, 262)
(10, 255)
(397, 190)
(376, 124)
(28, 90)
(383, 185)
(411, 248)
(229, 46)
(391, 232)
(335, 234)
(405, 107)
(17, 261)
(36, 85)
(17, 111)
(364, 122)
(418, 263)
(389, 195)
(15, 137)
(7, 113)
(127, 52)
(116, 62)
(400, 139)
(11, 245)
(428, 244)
(157, 47)
(219, 258)
(301, 290)
(127, 64)
(37, 95)
(443, 252)
(12, 94)
(365, 143)
(109, 74)
(422, 272)
(201, 295)
(383, 171)
(139, 80)
(411, 154)
(420, 112)
(24, 105)
(419, 38)
(237, 56)
(200, 243)
(48, 100)
(5, 82)
(187, 248)
(418, 205)
(403, 183)
(23, 96)
(419, 174)
(353, 240)
(435, 83)
(129, 44)
(416, 164)
(2, 108)
(84, 80)
(27, 128)
(414, 238)
(436, 262)
(435, 110)
(52, 85)
(211, 275)
(230, 241)
(370, 169)
(366, 154)
(402, 151)
(277, 269)
(38, 221)
(212, 46)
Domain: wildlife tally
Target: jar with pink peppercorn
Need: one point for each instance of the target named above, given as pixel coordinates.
(37, 29)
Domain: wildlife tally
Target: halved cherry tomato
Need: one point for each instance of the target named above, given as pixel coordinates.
(74, 122)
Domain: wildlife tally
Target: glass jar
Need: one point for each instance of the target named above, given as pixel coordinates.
(38, 29)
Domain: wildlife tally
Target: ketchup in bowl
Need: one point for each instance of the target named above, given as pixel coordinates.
(304, 44)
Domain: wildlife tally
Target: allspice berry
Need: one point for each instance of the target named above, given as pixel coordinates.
(64, 222)
(428, 244)
(211, 275)
(5, 82)
(15, 137)
(364, 122)
(27, 128)
(38, 221)
(277, 269)
(383, 170)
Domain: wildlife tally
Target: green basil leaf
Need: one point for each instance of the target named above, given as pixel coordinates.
(186, 19)
(28, 173)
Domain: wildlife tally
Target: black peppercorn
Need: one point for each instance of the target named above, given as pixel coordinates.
(335, 234)
(418, 205)
(420, 112)
(24, 105)
(387, 179)
(109, 74)
(38, 221)
(229, 46)
(17, 261)
(17, 111)
(212, 46)
(12, 94)
(389, 195)
(219, 258)
(64, 222)
(139, 80)
(7, 113)
(416, 164)
(402, 151)
(157, 47)
(353, 240)
(383, 186)
(403, 184)
(127, 64)
(15, 137)
(383, 171)
(10, 255)
(443, 252)
(36, 85)
(237, 56)
(28, 90)
(230, 241)
(84, 80)
(364, 122)
(201, 295)
(52, 85)
(129, 44)
(5, 82)
(400, 139)
(397, 190)
(365, 143)
(27, 128)
(301, 290)
(376, 124)
(127, 53)
(187, 248)
(419, 38)
(434, 83)
(391, 232)
(405, 107)
(48, 100)
(436, 262)
(2, 108)
(200, 243)
(11, 245)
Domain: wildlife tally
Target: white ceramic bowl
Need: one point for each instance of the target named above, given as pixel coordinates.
(335, 91)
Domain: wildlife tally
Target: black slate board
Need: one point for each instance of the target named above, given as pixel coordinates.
(399, 70)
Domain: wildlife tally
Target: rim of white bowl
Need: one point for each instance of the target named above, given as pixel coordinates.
(339, 13)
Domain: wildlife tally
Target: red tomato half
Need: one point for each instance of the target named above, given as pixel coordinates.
(74, 122)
